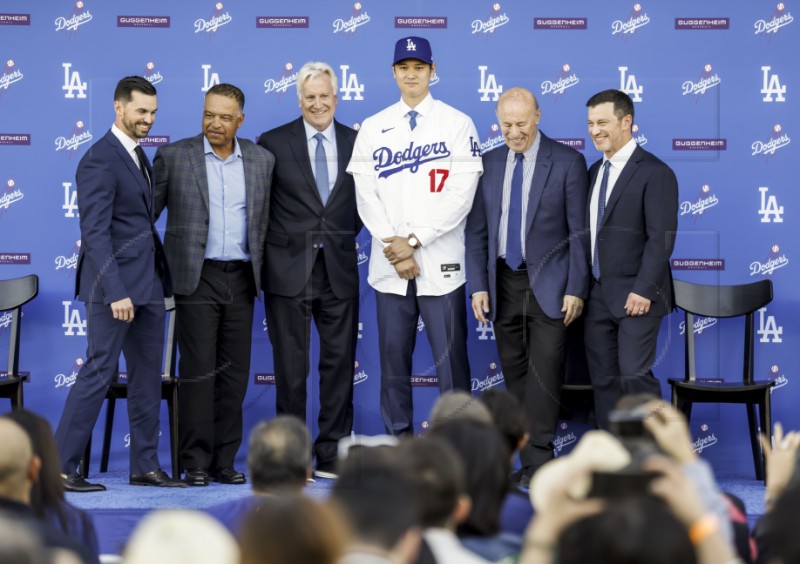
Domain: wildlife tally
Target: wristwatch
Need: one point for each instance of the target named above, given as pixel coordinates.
(413, 242)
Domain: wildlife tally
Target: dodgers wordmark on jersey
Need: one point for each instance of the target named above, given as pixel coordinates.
(421, 182)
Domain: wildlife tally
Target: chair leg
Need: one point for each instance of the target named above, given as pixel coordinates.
(17, 401)
(172, 409)
(111, 405)
(765, 413)
(83, 468)
(752, 423)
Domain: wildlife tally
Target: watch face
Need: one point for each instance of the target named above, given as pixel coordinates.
(413, 242)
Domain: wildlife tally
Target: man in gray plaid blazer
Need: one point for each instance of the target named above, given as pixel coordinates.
(216, 189)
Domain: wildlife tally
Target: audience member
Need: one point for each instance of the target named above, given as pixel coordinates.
(19, 544)
(487, 462)
(180, 537)
(377, 497)
(19, 469)
(458, 404)
(292, 529)
(440, 479)
(47, 494)
(278, 462)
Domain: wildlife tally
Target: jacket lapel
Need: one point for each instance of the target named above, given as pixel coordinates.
(540, 174)
(134, 170)
(299, 146)
(198, 161)
(622, 181)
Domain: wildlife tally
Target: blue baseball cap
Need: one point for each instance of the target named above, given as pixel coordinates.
(413, 48)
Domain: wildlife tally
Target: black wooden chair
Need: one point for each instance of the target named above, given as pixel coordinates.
(14, 294)
(169, 393)
(742, 300)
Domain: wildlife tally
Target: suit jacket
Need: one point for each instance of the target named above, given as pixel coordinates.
(299, 222)
(638, 233)
(556, 246)
(182, 186)
(120, 248)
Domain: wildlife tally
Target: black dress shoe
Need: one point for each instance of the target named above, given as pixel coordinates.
(326, 470)
(196, 477)
(157, 478)
(77, 483)
(226, 476)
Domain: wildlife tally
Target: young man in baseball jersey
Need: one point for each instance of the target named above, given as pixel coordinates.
(416, 166)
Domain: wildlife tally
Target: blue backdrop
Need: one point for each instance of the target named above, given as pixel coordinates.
(713, 86)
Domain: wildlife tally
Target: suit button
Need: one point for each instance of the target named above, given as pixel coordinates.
(324, 219)
(202, 245)
(315, 246)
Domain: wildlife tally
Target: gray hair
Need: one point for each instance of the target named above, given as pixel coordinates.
(313, 69)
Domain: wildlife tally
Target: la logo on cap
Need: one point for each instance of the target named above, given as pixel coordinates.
(410, 45)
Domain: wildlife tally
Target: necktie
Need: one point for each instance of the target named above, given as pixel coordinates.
(143, 164)
(514, 232)
(412, 121)
(601, 210)
(321, 165)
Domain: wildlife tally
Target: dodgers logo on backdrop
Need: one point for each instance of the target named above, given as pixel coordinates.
(489, 86)
(420, 324)
(493, 377)
(209, 78)
(770, 211)
(359, 376)
(629, 85)
(150, 73)
(636, 19)
(360, 331)
(5, 320)
(781, 17)
(493, 139)
(72, 83)
(707, 79)
(706, 199)
(410, 158)
(772, 88)
(777, 140)
(775, 375)
(639, 138)
(80, 16)
(10, 76)
(706, 439)
(11, 194)
(73, 323)
(350, 86)
(67, 379)
(564, 437)
(362, 252)
(281, 85)
(80, 135)
(775, 260)
(566, 79)
(358, 17)
(218, 18)
(495, 19)
(768, 328)
(69, 261)
(700, 324)
(485, 331)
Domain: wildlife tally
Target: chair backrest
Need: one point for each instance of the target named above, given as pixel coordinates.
(720, 302)
(15, 293)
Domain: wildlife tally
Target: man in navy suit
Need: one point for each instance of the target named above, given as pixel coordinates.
(122, 277)
(527, 262)
(216, 188)
(310, 260)
(632, 217)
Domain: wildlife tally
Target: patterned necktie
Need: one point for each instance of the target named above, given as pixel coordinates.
(412, 121)
(321, 165)
(601, 210)
(514, 231)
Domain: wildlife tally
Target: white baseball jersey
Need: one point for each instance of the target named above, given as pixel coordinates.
(421, 182)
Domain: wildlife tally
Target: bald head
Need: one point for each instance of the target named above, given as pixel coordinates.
(518, 114)
(16, 455)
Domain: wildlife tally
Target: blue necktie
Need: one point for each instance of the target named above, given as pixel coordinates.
(601, 210)
(412, 119)
(321, 164)
(514, 232)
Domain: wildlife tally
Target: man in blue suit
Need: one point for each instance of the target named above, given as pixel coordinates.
(122, 276)
(527, 262)
(633, 217)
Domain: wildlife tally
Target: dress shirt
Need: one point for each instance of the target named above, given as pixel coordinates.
(227, 205)
(128, 143)
(528, 168)
(330, 152)
(618, 162)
